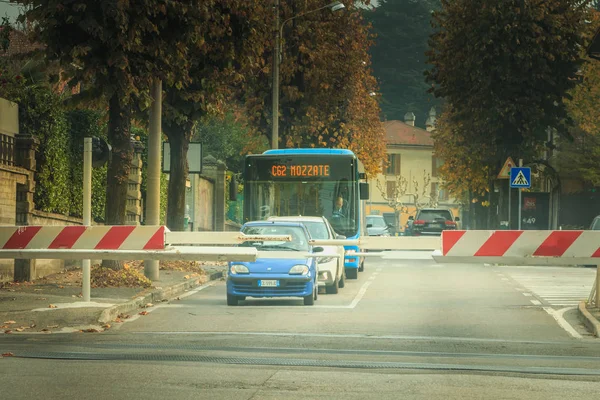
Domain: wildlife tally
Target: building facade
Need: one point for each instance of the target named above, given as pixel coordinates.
(410, 177)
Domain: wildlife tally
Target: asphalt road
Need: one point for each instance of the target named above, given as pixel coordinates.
(407, 328)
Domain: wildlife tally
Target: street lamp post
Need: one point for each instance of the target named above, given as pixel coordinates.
(335, 6)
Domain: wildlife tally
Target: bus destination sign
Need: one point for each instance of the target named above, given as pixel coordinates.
(300, 171)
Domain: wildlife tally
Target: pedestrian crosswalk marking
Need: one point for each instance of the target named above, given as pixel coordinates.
(520, 180)
(554, 286)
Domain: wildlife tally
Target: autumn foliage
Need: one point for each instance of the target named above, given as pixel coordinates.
(503, 69)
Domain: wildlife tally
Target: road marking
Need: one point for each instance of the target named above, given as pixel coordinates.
(360, 293)
(562, 322)
(536, 302)
(527, 294)
(505, 279)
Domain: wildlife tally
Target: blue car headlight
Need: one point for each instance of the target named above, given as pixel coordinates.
(300, 269)
(238, 269)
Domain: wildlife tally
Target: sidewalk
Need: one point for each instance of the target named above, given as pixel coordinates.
(591, 318)
(54, 304)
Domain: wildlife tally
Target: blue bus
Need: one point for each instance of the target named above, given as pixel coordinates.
(310, 182)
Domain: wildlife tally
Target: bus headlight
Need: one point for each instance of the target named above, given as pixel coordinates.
(239, 269)
(300, 269)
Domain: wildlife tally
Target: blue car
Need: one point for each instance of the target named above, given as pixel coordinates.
(275, 277)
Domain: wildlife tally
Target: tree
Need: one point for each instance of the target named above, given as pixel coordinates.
(327, 87)
(581, 157)
(394, 193)
(504, 70)
(116, 48)
(402, 28)
(232, 36)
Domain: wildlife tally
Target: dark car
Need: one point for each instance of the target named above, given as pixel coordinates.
(376, 226)
(432, 221)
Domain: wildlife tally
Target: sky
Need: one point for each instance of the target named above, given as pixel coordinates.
(8, 9)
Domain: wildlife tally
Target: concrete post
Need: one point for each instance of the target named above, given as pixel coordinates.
(220, 196)
(151, 267)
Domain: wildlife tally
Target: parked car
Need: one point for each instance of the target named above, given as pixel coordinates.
(376, 226)
(595, 226)
(275, 277)
(432, 221)
(331, 270)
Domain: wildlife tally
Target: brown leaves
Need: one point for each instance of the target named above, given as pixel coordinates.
(90, 330)
(143, 313)
(52, 306)
(9, 322)
(9, 354)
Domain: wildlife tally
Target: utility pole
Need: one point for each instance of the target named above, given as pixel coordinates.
(87, 212)
(151, 267)
(276, 58)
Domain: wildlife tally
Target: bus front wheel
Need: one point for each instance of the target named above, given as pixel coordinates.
(352, 273)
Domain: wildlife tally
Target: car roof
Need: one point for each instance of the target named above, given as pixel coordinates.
(299, 218)
(278, 223)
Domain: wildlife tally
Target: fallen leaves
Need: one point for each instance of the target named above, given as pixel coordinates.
(106, 277)
(148, 305)
(52, 326)
(52, 306)
(143, 313)
(41, 298)
(21, 329)
(8, 354)
(90, 330)
(106, 326)
(9, 322)
(61, 287)
(8, 331)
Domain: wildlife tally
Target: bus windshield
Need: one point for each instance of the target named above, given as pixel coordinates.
(328, 189)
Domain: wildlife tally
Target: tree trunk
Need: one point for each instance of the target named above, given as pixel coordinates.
(179, 141)
(117, 177)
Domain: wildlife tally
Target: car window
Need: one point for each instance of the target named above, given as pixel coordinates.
(376, 222)
(299, 239)
(317, 230)
(595, 224)
(432, 215)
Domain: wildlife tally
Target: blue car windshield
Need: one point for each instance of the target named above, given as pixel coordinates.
(299, 240)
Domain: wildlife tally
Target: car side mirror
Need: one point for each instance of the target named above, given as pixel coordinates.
(411, 218)
(341, 237)
(318, 249)
(457, 219)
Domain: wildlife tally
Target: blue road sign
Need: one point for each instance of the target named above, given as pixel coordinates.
(520, 177)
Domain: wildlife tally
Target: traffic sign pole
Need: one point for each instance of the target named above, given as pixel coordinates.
(509, 199)
(520, 194)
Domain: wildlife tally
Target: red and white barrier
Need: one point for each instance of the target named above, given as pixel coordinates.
(523, 247)
(82, 237)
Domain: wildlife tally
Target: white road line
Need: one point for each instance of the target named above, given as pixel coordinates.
(536, 302)
(527, 294)
(360, 294)
(562, 322)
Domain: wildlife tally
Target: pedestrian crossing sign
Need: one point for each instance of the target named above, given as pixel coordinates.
(520, 177)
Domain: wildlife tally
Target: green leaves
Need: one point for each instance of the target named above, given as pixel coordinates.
(504, 69)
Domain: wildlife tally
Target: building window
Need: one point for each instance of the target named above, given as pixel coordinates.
(436, 163)
(391, 189)
(393, 167)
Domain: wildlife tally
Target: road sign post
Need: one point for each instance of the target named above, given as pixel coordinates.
(520, 177)
(505, 174)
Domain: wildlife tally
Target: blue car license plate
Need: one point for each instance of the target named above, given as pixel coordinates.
(268, 283)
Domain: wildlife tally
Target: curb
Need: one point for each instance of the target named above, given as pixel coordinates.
(590, 322)
(155, 296)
